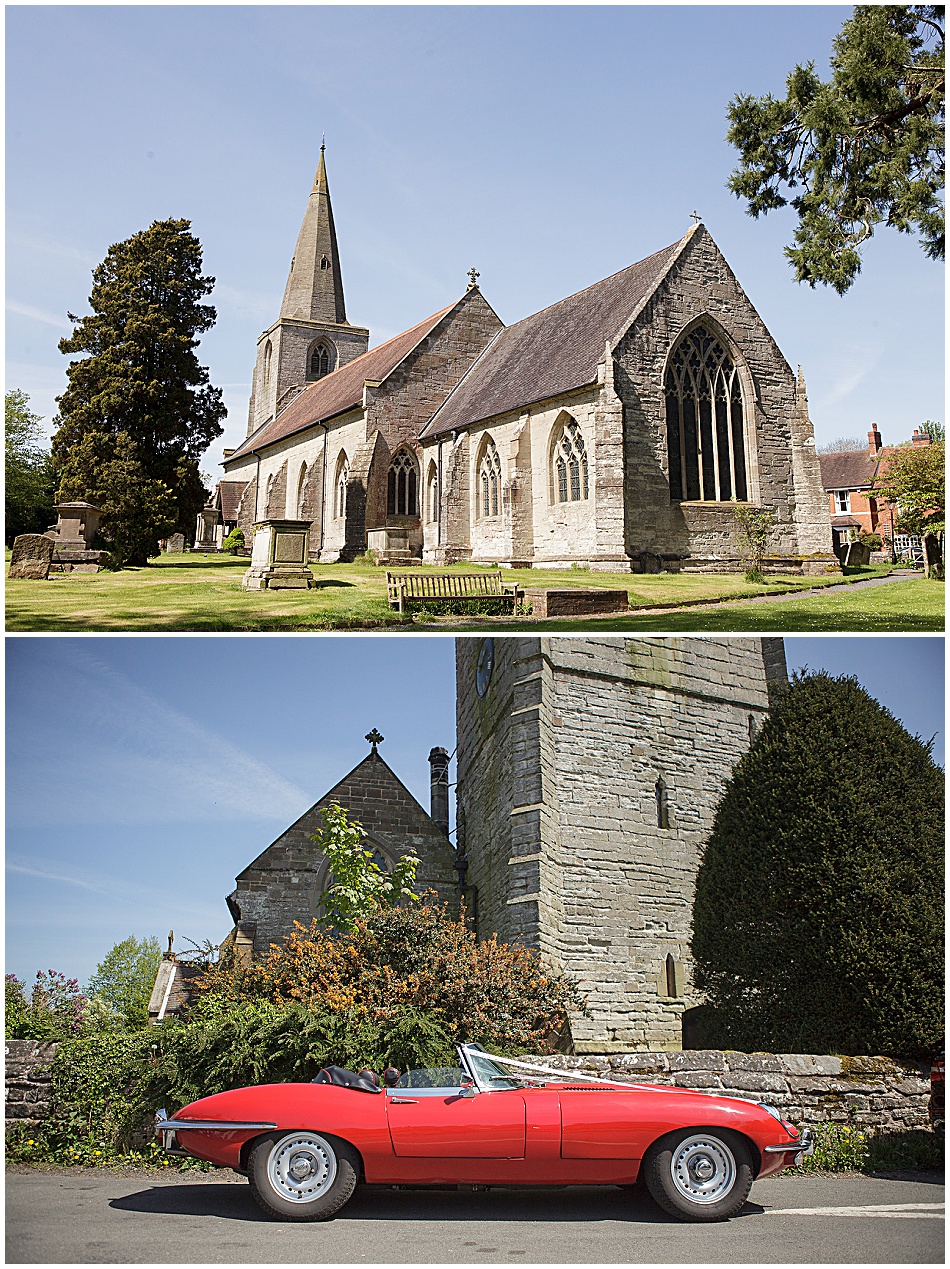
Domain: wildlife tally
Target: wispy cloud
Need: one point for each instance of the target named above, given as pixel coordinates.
(136, 759)
(38, 315)
(43, 875)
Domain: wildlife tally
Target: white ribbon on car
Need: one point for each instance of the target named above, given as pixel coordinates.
(566, 1077)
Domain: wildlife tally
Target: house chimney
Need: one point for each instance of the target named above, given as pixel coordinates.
(874, 441)
(919, 438)
(439, 787)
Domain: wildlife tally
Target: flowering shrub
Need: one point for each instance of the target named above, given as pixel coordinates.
(56, 1009)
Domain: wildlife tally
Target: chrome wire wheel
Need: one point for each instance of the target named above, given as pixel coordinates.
(301, 1167)
(702, 1169)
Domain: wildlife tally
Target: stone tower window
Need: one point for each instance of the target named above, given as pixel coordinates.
(320, 362)
(704, 421)
(340, 483)
(671, 975)
(324, 262)
(569, 463)
(265, 372)
(401, 494)
(489, 480)
(662, 804)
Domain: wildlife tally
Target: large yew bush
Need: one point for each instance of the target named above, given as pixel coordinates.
(819, 916)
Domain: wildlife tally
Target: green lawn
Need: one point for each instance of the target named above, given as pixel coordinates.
(203, 592)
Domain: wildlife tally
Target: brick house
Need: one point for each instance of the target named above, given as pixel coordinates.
(848, 479)
(616, 428)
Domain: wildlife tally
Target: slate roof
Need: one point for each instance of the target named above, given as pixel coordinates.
(552, 351)
(854, 469)
(230, 492)
(341, 390)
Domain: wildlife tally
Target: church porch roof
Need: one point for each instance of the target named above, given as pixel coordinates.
(229, 494)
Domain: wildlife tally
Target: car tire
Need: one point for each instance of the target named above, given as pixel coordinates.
(302, 1176)
(699, 1174)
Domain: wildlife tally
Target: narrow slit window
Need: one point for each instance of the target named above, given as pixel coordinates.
(662, 805)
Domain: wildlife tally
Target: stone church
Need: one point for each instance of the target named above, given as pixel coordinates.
(589, 770)
(616, 428)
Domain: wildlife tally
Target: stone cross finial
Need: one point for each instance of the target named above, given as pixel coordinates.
(171, 940)
(472, 274)
(375, 738)
(695, 217)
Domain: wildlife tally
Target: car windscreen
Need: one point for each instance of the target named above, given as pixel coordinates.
(489, 1074)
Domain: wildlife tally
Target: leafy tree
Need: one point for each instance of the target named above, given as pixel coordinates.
(936, 431)
(842, 445)
(28, 476)
(139, 397)
(754, 527)
(125, 977)
(400, 965)
(359, 886)
(912, 477)
(818, 920)
(862, 149)
(56, 1009)
(106, 471)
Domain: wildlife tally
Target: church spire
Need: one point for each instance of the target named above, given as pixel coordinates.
(315, 285)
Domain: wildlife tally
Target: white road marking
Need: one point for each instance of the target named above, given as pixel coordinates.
(907, 1211)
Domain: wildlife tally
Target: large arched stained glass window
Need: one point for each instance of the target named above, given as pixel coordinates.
(489, 480)
(402, 497)
(704, 422)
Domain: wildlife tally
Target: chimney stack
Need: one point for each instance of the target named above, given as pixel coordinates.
(919, 438)
(439, 787)
(874, 441)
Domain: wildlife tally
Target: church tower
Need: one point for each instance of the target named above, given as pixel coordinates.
(311, 337)
(589, 771)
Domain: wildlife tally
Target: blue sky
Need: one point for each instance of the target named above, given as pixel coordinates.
(144, 773)
(547, 146)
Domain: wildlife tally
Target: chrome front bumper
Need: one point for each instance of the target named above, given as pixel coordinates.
(804, 1145)
(167, 1129)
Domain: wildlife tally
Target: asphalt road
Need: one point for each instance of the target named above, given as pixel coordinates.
(95, 1216)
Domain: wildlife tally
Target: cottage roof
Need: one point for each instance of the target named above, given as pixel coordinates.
(341, 390)
(552, 351)
(854, 469)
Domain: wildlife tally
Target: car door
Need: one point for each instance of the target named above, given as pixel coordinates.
(442, 1123)
(601, 1123)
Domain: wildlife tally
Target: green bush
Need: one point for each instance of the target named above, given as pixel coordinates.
(234, 542)
(849, 1148)
(56, 1009)
(873, 541)
(818, 921)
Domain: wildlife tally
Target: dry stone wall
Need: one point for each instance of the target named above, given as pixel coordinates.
(28, 1085)
(868, 1092)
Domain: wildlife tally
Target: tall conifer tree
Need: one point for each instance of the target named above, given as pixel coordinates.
(139, 409)
(819, 916)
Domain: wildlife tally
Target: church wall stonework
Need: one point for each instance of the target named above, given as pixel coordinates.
(559, 765)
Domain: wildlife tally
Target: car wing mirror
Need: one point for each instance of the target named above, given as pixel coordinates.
(469, 1090)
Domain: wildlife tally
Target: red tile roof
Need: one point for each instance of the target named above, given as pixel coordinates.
(341, 390)
(552, 351)
(854, 469)
(230, 492)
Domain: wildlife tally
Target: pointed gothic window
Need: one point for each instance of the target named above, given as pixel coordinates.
(401, 494)
(489, 480)
(570, 463)
(268, 353)
(324, 263)
(704, 421)
(301, 493)
(671, 975)
(342, 479)
(320, 362)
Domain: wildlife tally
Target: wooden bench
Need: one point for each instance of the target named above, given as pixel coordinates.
(436, 588)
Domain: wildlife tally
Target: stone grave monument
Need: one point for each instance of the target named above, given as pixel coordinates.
(31, 557)
(175, 545)
(73, 533)
(279, 556)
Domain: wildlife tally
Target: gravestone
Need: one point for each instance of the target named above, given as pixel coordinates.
(31, 557)
(857, 555)
(279, 556)
(175, 544)
(72, 535)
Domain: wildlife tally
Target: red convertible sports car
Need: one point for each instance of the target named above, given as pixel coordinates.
(304, 1147)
